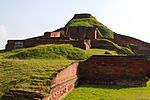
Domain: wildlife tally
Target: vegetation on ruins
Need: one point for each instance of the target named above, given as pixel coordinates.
(92, 22)
(30, 69)
(63, 51)
(126, 50)
(51, 52)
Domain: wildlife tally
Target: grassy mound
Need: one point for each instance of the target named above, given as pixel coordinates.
(122, 49)
(90, 22)
(63, 51)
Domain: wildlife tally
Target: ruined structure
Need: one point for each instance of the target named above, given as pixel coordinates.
(64, 82)
(130, 71)
(139, 47)
(84, 35)
(72, 35)
(109, 70)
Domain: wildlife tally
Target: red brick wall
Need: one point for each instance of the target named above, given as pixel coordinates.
(124, 40)
(51, 34)
(64, 82)
(55, 34)
(139, 47)
(37, 41)
(102, 44)
(119, 70)
(81, 33)
(10, 44)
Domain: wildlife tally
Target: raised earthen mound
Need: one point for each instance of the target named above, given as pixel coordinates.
(87, 20)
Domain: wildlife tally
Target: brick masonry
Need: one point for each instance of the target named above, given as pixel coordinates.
(35, 42)
(81, 33)
(114, 70)
(78, 37)
(139, 47)
(64, 82)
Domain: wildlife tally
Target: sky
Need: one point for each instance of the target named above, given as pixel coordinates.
(21, 19)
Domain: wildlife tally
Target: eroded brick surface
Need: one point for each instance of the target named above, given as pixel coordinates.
(115, 70)
(64, 82)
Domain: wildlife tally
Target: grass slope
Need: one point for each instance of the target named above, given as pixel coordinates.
(101, 92)
(29, 69)
(14, 72)
(90, 22)
(63, 51)
(126, 50)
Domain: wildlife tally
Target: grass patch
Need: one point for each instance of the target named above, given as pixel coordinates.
(63, 51)
(91, 52)
(90, 22)
(101, 92)
(22, 73)
(125, 50)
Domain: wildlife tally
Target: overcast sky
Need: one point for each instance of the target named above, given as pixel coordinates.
(20, 19)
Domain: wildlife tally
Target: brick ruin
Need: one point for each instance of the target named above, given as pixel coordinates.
(64, 82)
(77, 36)
(109, 70)
(114, 70)
(128, 71)
(139, 47)
(82, 37)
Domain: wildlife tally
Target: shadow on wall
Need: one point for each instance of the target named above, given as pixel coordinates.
(101, 86)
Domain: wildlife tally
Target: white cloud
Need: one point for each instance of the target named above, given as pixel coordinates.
(3, 36)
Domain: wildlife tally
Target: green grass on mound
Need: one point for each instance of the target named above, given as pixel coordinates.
(101, 92)
(62, 51)
(126, 50)
(90, 22)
